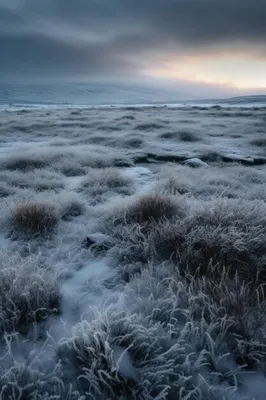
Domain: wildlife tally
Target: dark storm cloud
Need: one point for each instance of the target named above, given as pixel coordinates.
(190, 21)
(103, 36)
(39, 54)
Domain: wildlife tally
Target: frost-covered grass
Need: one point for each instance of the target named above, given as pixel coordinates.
(122, 275)
(30, 292)
(72, 207)
(101, 183)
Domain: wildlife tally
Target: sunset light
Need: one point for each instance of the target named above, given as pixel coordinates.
(240, 72)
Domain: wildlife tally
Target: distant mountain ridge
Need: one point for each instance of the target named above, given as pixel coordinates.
(260, 98)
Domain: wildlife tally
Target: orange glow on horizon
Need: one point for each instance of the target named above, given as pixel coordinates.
(229, 70)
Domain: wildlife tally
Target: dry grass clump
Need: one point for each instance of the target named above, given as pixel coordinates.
(169, 135)
(132, 226)
(24, 164)
(35, 217)
(148, 126)
(97, 361)
(101, 183)
(69, 165)
(226, 236)
(174, 186)
(34, 381)
(73, 208)
(149, 208)
(29, 292)
(187, 136)
(106, 177)
(5, 190)
(207, 239)
(261, 142)
(134, 142)
(184, 136)
(73, 170)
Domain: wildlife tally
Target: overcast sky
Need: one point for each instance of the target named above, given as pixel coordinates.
(219, 44)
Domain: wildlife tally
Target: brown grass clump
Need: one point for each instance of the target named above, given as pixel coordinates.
(225, 238)
(150, 208)
(36, 217)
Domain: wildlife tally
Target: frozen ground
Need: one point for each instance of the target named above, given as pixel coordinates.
(133, 253)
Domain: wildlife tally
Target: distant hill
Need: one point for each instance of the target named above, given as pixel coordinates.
(246, 99)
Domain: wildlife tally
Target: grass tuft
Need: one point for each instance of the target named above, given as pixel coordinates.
(73, 208)
(101, 183)
(187, 136)
(108, 177)
(35, 217)
(29, 293)
(150, 208)
(25, 164)
(259, 142)
(146, 209)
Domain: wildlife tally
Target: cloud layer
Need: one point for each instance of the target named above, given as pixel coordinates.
(121, 37)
